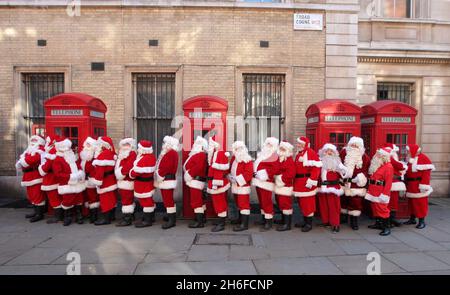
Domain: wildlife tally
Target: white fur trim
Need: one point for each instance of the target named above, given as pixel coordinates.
(284, 190)
(148, 209)
(73, 178)
(199, 210)
(51, 187)
(288, 212)
(66, 208)
(71, 188)
(355, 192)
(222, 214)
(279, 180)
(197, 184)
(361, 180)
(125, 184)
(144, 195)
(425, 167)
(344, 211)
(424, 187)
(95, 182)
(41, 172)
(144, 169)
(245, 212)
(104, 163)
(130, 141)
(187, 177)
(268, 216)
(240, 190)
(128, 209)
(262, 175)
(220, 166)
(219, 190)
(331, 190)
(23, 163)
(312, 163)
(310, 183)
(384, 153)
(31, 182)
(418, 195)
(269, 186)
(217, 182)
(40, 204)
(94, 205)
(167, 184)
(355, 213)
(262, 211)
(171, 210)
(106, 189)
(240, 180)
(398, 186)
(305, 194)
(118, 173)
(50, 156)
(145, 150)
(383, 199)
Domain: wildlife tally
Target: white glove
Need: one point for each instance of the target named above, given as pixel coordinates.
(310, 183)
(187, 177)
(262, 175)
(18, 165)
(214, 187)
(278, 180)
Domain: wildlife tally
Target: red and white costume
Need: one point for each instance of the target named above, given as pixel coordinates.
(125, 160)
(142, 173)
(241, 174)
(70, 176)
(50, 183)
(166, 171)
(284, 178)
(194, 169)
(264, 169)
(218, 183)
(397, 183)
(307, 171)
(381, 174)
(29, 162)
(357, 163)
(104, 178)
(330, 190)
(418, 177)
(87, 156)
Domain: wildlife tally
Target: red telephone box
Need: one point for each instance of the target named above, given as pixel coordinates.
(332, 121)
(75, 116)
(205, 116)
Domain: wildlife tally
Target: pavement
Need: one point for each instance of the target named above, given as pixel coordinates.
(39, 248)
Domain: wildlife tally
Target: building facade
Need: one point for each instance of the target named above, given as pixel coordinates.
(144, 58)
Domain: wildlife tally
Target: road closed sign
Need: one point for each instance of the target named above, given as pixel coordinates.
(308, 21)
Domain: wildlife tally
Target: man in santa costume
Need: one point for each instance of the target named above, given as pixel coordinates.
(165, 177)
(381, 175)
(70, 177)
(87, 156)
(264, 169)
(105, 180)
(50, 183)
(357, 163)
(330, 190)
(284, 182)
(241, 174)
(142, 174)
(218, 183)
(307, 171)
(29, 162)
(418, 188)
(125, 161)
(195, 168)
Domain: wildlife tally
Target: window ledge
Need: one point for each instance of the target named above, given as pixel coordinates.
(404, 20)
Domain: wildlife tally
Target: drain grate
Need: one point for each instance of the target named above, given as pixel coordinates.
(223, 239)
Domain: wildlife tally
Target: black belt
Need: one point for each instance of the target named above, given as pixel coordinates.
(140, 178)
(376, 182)
(200, 178)
(209, 178)
(169, 177)
(107, 173)
(330, 182)
(396, 177)
(302, 175)
(29, 169)
(346, 180)
(414, 179)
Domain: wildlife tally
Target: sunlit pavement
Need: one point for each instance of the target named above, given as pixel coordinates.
(40, 248)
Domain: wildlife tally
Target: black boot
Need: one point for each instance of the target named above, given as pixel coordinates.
(39, 214)
(93, 213)
(237, 220)
(262, 221)
(78, 214)
(32, 214)
(220, 225)
(354, 222)
(198, 221)
(67, 217)
(344, 218)
(127, 220)
(58, 215)
(392, 221)
(104, 218)
(112, 214)
(308, 225)
(301, 224)
(386, 230)
(281, 220)
(287, 223)
(411, 220)
(335, 229)
(421, 223)
(147, 220)
(376, 225)
(267, 225)
(171, 222)
(244, 223)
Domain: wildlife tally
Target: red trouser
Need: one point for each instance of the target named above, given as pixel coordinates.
(108, 201)
(393, 201)
(92, 198)
(243, 203)
(69, 200)
(148, 205)
(284, 203)
(330, 208)
(220, 204)
(265, 202)
(79, 200)
(307, 205)
(418, 207)
(54, 198)
(196, 200)
(352, 205)
(380, 210)
(167, 196)
(35, 195)
(127, 199)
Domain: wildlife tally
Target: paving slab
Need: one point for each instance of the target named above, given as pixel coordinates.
(108, 269)
(168, 244)
(357, 264)
(94, 257)
(417, 241)
(416, 261)
(433, 233)
(443, 256)
(247, 253)
(38, 256)
(33, 270)
(166, 257)
(322, 247)
(207, 253)
(356, 246)
(196, 268)
(296, 266)
(393, 247)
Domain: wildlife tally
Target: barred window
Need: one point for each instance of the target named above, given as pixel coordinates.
(402, 92)
(37, 88)
(154, 99)
(264, 96)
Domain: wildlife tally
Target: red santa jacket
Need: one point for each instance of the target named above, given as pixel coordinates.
(330, 183)
(264, 172)
(399, 171)
(359, 178)
(89, 171)
(194, 169)
(142, 173)
(104, 178)
(68, 173)
(380, 184)
(284, 178)
(418, 177)
(217, 173)
(49, 182)
(307, 170)
(29, 162)
(241, 176)
(166, 170)
(122, 170)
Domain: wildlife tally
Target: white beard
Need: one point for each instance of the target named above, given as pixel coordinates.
(284, 155)
(211, 151)
(353, 158)
(165, 148)
(242, 155)
(31, 149)
(330, 163)
(87, 154)
(266, 152)
(97, 151)
(123, 153)
(196, 148)
(376, 163)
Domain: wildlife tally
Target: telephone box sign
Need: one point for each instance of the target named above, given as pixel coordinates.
(395, 119)
(204, 115)
(340, 118)
(96, 114)
(308, 21)
(66, 112)
(313, 120)
(368, 120)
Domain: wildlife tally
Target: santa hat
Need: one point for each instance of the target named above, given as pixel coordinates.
(328, 146)
(354, 140)
(385, 151)
(106, 142)
(39, 139)
(89, 140)
(145, 147)
(200, 141)
(392, 146)
(63, 144)
(49, 140)
(272, 141)
(213, 143)
(286, 145)
(130, 141)
(237, 145)
(172, 141)
(413, 149)
(304, 140)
